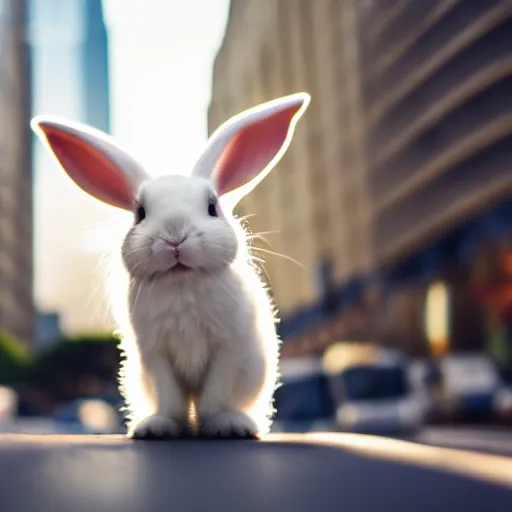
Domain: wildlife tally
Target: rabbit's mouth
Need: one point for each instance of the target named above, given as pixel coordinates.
(180, 268)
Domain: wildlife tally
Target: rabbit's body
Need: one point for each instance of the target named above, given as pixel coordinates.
(198, 327)
(193, 325)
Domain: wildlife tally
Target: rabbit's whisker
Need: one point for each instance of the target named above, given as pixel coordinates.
(289, 258)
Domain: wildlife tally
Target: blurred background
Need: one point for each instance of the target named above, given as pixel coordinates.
(386, 228)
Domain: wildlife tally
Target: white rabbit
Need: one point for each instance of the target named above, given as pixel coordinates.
(201, 330)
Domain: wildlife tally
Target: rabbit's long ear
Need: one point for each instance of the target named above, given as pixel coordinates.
(92, 160)
(244, 149)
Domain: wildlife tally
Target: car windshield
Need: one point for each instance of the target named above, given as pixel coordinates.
(304, 400)
(373, 383)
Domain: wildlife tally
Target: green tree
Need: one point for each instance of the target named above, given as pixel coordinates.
(15, 360)
(78, 366)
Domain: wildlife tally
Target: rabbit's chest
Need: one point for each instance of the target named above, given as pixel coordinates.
(187, 342)
(178, 330)
(188, 324)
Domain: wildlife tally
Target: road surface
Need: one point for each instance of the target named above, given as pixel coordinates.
(475, 438)
(295, 473)
(479, 438)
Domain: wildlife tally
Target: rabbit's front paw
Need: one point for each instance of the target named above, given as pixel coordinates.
(229, 425)
(159, 427)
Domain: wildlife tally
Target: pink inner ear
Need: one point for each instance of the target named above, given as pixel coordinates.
(90, 169)
(252, 149)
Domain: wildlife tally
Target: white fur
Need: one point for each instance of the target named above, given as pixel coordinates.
(214, 335)
(207, 336)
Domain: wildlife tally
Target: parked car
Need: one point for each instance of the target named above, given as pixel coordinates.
(303, 401)
(423, 378)
(89, 416)
(373, 391)
(354, 388)
(502, 405)
(377, 399)
(8, 406)
(469, 388)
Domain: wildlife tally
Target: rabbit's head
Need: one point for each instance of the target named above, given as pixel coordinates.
(182, 224)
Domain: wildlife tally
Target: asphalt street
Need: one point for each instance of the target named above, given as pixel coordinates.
(479, 438)
(475, 438)
(296, 473)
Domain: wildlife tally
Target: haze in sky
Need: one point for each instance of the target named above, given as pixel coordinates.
(161, 57)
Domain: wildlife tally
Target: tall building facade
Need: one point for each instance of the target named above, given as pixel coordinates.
(69, 42)
(17, 313)
(319, 184)
(96, 66)
(399, 176)
(438, 136)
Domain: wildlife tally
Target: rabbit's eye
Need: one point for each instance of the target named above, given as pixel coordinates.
(212, 208)
(140, 214)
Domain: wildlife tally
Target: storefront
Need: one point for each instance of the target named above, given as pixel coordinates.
(456, 294)
(491, 281)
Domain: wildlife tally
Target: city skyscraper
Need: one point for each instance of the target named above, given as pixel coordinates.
(96, 67)
(17, 314)
(69, 44)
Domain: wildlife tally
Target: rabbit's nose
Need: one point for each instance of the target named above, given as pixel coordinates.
(176, 242)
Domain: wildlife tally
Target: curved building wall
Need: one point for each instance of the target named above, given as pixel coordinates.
(437, 82)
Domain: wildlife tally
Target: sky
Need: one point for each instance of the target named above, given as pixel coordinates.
(162, 54)
(161, 57)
